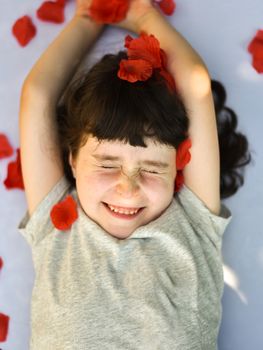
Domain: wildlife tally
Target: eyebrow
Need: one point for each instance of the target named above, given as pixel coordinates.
(105, 157)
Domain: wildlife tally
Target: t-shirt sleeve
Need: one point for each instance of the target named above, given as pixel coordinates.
(38, 226)
(207, 224)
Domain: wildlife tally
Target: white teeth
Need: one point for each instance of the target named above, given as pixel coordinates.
(122, 211)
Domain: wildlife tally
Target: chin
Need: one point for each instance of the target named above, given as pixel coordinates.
(118, 233)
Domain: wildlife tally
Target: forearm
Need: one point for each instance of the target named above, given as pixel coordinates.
(56, 66)
(187, 67)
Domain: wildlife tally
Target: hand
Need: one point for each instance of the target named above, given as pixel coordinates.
(136, 14)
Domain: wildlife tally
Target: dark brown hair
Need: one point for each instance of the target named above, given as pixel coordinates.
(100, 104)
(233, 145)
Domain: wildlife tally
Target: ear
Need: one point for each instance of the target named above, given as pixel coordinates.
(72, 163)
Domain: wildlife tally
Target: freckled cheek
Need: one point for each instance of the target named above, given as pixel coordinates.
(100, 182)
(156, 186)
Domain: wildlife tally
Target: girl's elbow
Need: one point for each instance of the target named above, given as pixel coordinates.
(200, 82)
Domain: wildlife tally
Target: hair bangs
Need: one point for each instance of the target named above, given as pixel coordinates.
(130, 112)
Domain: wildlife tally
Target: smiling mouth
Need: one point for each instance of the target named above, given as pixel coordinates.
(122, 212)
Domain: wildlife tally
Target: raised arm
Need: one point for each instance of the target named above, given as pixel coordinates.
(194, 85)
(40, 155)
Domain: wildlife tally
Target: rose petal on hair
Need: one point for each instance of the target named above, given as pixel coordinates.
(24, 30)
(135, 70)
(145, 47)
(179, 181)
(127, 41)
(255, 47)
(64, 213)
(6, 150)
(169, 79)
(110, 11)
(183, 156)
(14, 174)
(51, 11)
(1, 263)
(4, 324)
(167, 6)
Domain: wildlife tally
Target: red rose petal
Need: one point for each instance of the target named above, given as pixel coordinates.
(14, 174)
(110, 11)
(64, 213)
(167, 6)
(183, 156)
(169, 79)
(51, 11)
(128, 39)
(145, 47)
(258, 64)
(134, 70)
(179, 181)
(255, 47)
(4, 323)
(1, 263)
(6, 149)
(24, 30)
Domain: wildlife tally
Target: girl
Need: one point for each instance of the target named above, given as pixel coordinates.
(122, 263)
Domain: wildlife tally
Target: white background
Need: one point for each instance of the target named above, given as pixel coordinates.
(220, 31)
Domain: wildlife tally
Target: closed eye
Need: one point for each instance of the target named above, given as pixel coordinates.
(108, 167)
(150, 171)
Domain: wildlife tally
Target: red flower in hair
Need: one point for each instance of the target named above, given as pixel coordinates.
(24, 30)
(51, 11)
(64, 213)
(179, 181)
(256, 49)
(134, 70)
(4, 322)
(1, 263)
(144, 55)
(14, 174)
(6, 149)
(110, 11)
(183, 157)
(145, 47)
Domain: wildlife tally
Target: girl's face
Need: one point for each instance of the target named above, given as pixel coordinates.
(122, 187)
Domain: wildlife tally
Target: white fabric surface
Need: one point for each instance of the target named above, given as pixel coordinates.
(220, 31)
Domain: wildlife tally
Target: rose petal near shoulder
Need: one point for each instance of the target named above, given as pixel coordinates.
(14, 177)
(183, 156)
(179, 181)
(64, 213)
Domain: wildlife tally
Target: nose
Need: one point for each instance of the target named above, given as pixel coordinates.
(127, 186)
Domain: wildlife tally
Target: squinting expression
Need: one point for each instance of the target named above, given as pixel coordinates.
(122, 187)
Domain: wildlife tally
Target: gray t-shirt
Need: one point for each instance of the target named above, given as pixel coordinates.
(160, 288)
